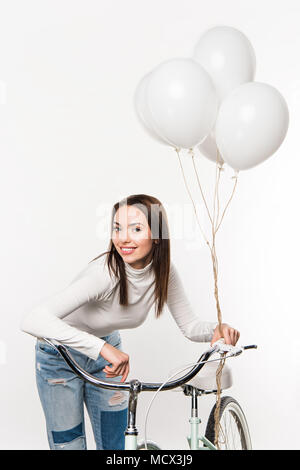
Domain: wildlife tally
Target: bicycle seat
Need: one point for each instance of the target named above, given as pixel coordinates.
(206, 378)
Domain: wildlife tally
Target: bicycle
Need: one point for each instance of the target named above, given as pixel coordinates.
(234, 433)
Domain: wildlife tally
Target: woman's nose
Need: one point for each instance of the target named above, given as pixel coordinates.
(124, 236)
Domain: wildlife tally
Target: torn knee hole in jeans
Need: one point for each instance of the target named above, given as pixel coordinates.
(117, 398)
(56, 381)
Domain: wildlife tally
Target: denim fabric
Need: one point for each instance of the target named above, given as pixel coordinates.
(63, 394)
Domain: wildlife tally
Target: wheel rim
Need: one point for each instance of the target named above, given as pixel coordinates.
(234, 433)
(150, 446)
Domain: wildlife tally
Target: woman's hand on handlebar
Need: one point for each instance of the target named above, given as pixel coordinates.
(118, 359)
(230, 335)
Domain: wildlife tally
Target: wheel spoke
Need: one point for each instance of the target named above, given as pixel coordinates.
(233, 430)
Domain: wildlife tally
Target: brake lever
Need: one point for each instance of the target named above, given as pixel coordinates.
(228, 349)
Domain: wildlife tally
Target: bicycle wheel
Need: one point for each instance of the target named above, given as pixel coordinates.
(234, 432)
(150, 446)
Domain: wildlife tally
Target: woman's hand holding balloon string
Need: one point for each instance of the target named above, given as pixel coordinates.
(230, 335)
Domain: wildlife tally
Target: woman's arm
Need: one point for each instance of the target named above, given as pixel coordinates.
(189, 323)
(46, 319)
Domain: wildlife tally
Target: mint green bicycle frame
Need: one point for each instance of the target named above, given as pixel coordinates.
(131, 434)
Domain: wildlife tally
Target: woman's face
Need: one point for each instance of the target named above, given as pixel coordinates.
(131, 231)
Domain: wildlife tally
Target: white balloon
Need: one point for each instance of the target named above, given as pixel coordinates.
(182, 101)
(209, 149)
(252, 123)
(142, 110)
(228, 56)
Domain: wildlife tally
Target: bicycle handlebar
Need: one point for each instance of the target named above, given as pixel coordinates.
(142, 386)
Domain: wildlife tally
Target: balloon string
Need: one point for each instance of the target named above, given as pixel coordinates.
(200, 187)
(215, 226)
(216, 195)
(220, 168)
(186, 185)
(217, 427)
(236, 179)
(215, 271)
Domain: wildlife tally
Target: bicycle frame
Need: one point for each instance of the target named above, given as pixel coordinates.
(131, 433)
(194, 438)
(135, 387)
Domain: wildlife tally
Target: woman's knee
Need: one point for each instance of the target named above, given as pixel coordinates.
(68, 439)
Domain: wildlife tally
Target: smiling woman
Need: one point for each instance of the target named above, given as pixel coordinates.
(111, 293)
(132, 236)
(140, 221)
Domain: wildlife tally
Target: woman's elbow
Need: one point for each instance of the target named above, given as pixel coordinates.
(27, 324)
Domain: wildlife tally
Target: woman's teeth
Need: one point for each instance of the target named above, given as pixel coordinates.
(127, 250)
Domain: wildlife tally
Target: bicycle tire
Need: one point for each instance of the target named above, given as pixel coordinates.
(229, 407)
(150, 446)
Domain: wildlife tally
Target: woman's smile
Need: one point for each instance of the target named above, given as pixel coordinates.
(127, 251)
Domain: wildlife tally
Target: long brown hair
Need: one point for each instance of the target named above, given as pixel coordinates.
(158, 223)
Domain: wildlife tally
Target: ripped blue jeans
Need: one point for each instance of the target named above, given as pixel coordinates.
(63, 395)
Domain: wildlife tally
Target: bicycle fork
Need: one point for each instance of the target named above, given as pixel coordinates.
(194, 420)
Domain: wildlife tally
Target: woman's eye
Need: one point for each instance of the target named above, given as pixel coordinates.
(138, 229)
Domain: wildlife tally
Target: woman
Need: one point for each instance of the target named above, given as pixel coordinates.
(110, 293)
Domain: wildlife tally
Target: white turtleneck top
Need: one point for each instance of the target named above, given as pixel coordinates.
(88, 308)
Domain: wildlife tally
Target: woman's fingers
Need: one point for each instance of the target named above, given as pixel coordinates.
(215, 337)
(125, 373)
(112, 371)
(226, 334)
(230, 335)
(234, 335)
(122, 369)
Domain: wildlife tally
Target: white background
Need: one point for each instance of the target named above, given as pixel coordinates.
(70, 143)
